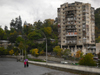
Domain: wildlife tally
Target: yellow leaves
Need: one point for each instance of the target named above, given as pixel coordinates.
(13, 33)
(21, 45)
(35, 52)
(48, 30)
(72, 54)
(98, 36)
(57, 50)
(11, 52)
(50, 21)
(78, 53)
(25, 26)
(42, 52)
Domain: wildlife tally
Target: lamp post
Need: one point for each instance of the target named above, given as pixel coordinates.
(46, 44)
(24, 46)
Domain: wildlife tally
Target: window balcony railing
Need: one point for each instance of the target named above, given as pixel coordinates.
(71, 34)
(71, 42)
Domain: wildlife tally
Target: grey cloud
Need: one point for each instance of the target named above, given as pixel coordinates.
(33, 10)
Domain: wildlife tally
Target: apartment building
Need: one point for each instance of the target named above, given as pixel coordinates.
(76, 27)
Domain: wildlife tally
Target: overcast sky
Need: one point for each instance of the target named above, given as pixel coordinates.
(33, 10)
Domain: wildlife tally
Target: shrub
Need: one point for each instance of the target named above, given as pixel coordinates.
(87, 60)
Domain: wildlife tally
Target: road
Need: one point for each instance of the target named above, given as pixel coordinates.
(9, 66)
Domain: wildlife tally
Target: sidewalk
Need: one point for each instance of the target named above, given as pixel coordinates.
(67, 66)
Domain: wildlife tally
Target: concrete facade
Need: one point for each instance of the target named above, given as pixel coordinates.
(76, 27)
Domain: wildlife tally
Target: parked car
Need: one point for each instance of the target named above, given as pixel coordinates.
(64, 62)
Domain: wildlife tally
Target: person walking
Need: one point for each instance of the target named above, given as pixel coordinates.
(25, 63)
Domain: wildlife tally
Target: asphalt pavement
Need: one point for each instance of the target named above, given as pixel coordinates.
(9, 66)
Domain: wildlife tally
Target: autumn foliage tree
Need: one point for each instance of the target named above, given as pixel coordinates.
(34, 35)
(57, 50)
(87, 60)
(48, 30)
(11, 52)
(42, 52)
(79, 54)
(34, 52)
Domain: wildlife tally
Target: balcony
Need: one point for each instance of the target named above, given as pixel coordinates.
(70, 28)
(71, 8)
(71, 42)
(84, 29)
(71, 38)
(71, 34)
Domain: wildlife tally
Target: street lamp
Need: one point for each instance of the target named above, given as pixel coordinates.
(24, 46)
(46, 44)
(46, 47)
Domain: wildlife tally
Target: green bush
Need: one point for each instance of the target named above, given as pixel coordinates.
(87, 60)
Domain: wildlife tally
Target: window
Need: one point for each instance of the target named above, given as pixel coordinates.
(68, 22)
(71, 22)
(79, 37)
(68, 19)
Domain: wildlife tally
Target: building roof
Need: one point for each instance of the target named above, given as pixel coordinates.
(3, 41)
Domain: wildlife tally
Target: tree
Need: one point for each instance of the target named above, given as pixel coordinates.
(87, 60)
(66, 53)
(12, 24)
(34, 52)
(6, 28)
(19, 24)
(99, 55)
(16, 53)
(97, 25)
(19, 39)
(34, 35)
(11, 52)
(2, 34)
(38, 24)
(27, 28)
(48, 22)
(79, 54)
(13, 37)
(57, 50)
(21, 45)
(47, 30)
(98, 39)
(42, 52)
(3, 51)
